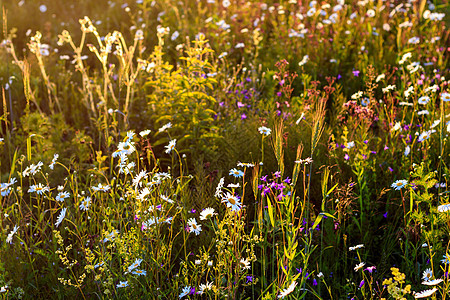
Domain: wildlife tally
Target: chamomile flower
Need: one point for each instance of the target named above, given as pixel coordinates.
(287, 291)
(5, 188)
(445, 97)
(359, 266)
(130, 135)
(134, 265)
(61, 217)
(171, 146)
(207, 213)
(194, 227)
(445, 259)
(144, 133)
(407, 150)
(423, 112)
(122, 284)
(165, 127)
(232, 202)
(425, 135)
(61, 196)
(218, 193)
(85, 203)
(427, 274)
(102, 188)
(245, 264)
(110, 236)
(167, 199)
(137, 180)
(236, 173)
(264, 130)
(435, 123)
(38, 189)
(355, 247)
(444, 207)
(143, 194)
(425, 294)
(424, 100)
(124, 148)
(32, 169)
(185, 291)
(414, 40)
(205, 287)
(11, 234)
(245, 165)
(399, 184)
(432, 282)
(52, 164)
(139, 272)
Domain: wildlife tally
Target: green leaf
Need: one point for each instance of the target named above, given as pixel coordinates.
(270, 209)
(317, 221)
(328, 215)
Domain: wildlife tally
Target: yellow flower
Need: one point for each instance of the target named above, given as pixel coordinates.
(400, 277)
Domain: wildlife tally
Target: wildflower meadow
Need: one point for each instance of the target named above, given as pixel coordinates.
(225, 149)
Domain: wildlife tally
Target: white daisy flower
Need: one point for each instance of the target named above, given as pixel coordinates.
(207, 213)
(355, 247)
(52, 164)
(165, 127)
(102, 188)
(145, 132)
(134, 265)
(194, 227)
(61, 217)
(425, 294)
(444, 207)
(61, 196)
(359, 266)
(38, 189)
(287, 291)
(232, 202)
(139, 177)
(424, 100)
(432, 282)
(245, 264)
(11, 234)
(171, 146)
(264, 130)
(427, 274)
(85, 203)
(185, 291)
(122, 284)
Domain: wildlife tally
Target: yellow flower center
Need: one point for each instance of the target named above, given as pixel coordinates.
(231, 200)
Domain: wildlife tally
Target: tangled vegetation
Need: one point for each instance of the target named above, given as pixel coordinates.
(224, 149)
